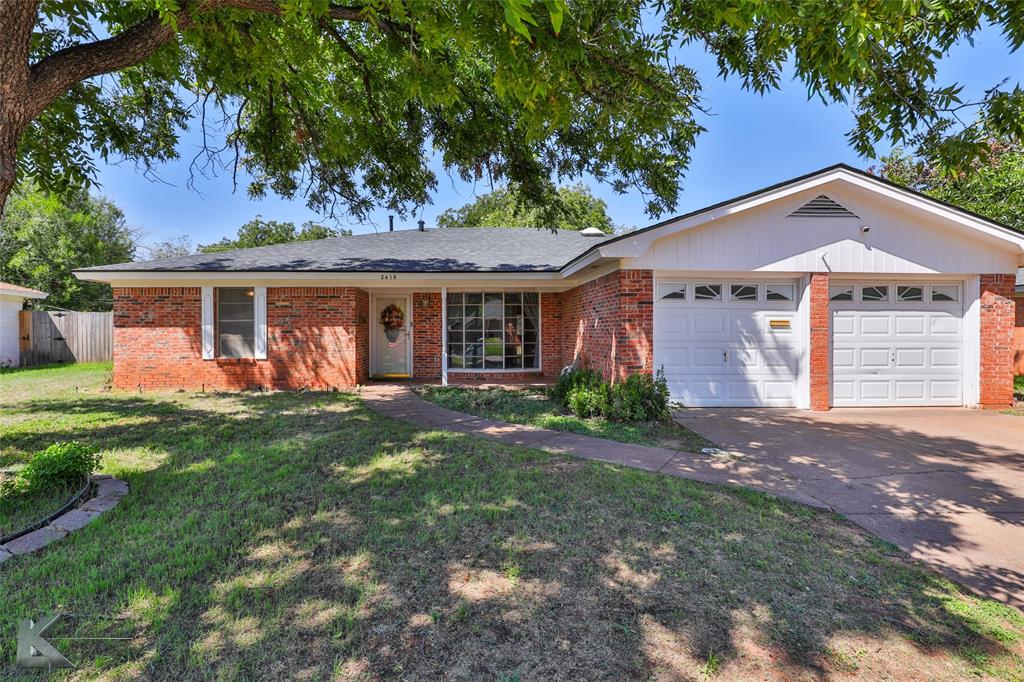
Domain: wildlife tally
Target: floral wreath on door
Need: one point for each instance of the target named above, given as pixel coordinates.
(392, 318)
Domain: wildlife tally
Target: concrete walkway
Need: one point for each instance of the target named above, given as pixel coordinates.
(400, 402)
(946, 485)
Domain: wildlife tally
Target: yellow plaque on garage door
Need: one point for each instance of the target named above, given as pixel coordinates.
(779, 324)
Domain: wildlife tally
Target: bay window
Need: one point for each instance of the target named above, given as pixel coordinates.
(493, 330)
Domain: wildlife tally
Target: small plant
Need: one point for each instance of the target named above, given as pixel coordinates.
(590, 401)
(62, 463)
(569, 381)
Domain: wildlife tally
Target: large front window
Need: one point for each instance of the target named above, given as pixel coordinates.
(493, 330)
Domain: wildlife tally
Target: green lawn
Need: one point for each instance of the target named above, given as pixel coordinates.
(298, 535)
(532, 406)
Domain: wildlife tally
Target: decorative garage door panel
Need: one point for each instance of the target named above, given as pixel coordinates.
(897, 352)
(728, 352)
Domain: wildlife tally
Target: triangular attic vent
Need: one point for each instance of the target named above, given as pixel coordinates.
(822, 207)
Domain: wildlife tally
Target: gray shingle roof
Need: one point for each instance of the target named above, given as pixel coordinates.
(490, 249)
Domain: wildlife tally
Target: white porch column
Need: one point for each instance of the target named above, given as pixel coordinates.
(444, 336)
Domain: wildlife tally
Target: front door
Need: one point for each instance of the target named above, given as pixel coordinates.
(391, 325)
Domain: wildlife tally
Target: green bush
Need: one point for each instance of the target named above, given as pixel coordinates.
(640, 398)
(589, 401)
(571, 380)
(60, 464)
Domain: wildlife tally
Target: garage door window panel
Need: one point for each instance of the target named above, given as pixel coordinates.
(945, 293)
(874, 293)
(840, 292)
(743, 293)
(672, 292)
(906, 294)
(707, 292)
(780, 292)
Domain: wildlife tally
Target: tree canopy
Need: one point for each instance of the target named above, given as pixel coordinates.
(992, 187)
(43, 237)
(572, 208)
(259, 232)
(344, 105)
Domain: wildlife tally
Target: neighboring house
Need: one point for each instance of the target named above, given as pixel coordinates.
(832, 289)
(12, 300)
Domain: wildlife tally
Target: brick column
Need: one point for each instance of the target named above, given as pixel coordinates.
(426, 335)
(998, 309)
(820, 337)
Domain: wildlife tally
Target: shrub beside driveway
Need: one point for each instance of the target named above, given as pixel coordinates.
(276, 535)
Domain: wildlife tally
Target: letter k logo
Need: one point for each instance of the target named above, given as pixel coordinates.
(36, 652)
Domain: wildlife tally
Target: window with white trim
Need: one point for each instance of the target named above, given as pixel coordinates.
(674, 292)
(493, 330)
(236, 322)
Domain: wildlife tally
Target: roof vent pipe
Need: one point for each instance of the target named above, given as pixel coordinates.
(421, 224)
(592, 232)
(391, 223)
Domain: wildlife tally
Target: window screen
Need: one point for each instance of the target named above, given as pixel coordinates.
(493, 330)
(236, 333)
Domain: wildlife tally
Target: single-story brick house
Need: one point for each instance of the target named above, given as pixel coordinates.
(832, 289)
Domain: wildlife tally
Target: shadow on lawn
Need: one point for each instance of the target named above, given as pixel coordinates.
(287, 534)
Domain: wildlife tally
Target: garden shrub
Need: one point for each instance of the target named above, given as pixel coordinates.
(571, 380)
(640, 398)
(64, 463)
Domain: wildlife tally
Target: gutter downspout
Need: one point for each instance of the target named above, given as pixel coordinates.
(444, 336)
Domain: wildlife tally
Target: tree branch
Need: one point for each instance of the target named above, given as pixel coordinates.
(55, 74)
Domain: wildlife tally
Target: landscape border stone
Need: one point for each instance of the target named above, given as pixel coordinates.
(107, 493)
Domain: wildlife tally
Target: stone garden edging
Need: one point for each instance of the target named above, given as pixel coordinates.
(108, 493)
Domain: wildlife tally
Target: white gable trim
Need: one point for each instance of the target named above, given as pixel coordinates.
(634, 246)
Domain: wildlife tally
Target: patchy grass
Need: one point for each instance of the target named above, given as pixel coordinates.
(271, 536)
(532, 406)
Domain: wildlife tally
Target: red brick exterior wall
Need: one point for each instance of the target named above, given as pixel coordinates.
(426, 335)
(998, 313)
(316, 338)
(820, 342)
(1018, 339)
(608, 324)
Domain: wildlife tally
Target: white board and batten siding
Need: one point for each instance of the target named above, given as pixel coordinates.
(766, 239)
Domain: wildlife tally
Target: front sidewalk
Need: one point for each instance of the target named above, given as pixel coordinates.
(400, 402)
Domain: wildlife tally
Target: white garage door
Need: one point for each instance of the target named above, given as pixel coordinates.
(728, 343)
(897, 343)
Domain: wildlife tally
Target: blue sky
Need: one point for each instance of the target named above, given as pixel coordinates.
(752, 141)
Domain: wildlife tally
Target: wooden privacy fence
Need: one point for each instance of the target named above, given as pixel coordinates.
(59, 336)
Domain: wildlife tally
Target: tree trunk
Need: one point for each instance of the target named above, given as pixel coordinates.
(17, 17)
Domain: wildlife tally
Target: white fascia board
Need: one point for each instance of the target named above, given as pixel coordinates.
(19, 293)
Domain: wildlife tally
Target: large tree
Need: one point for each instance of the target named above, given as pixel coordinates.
(570, 208)
(992, 186)
(43, 237)
(344, 104)
(259, 232)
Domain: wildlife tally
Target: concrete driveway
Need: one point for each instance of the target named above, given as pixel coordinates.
(945, 484)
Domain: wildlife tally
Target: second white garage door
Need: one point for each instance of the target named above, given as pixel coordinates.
(728, 343)
(897, 343)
